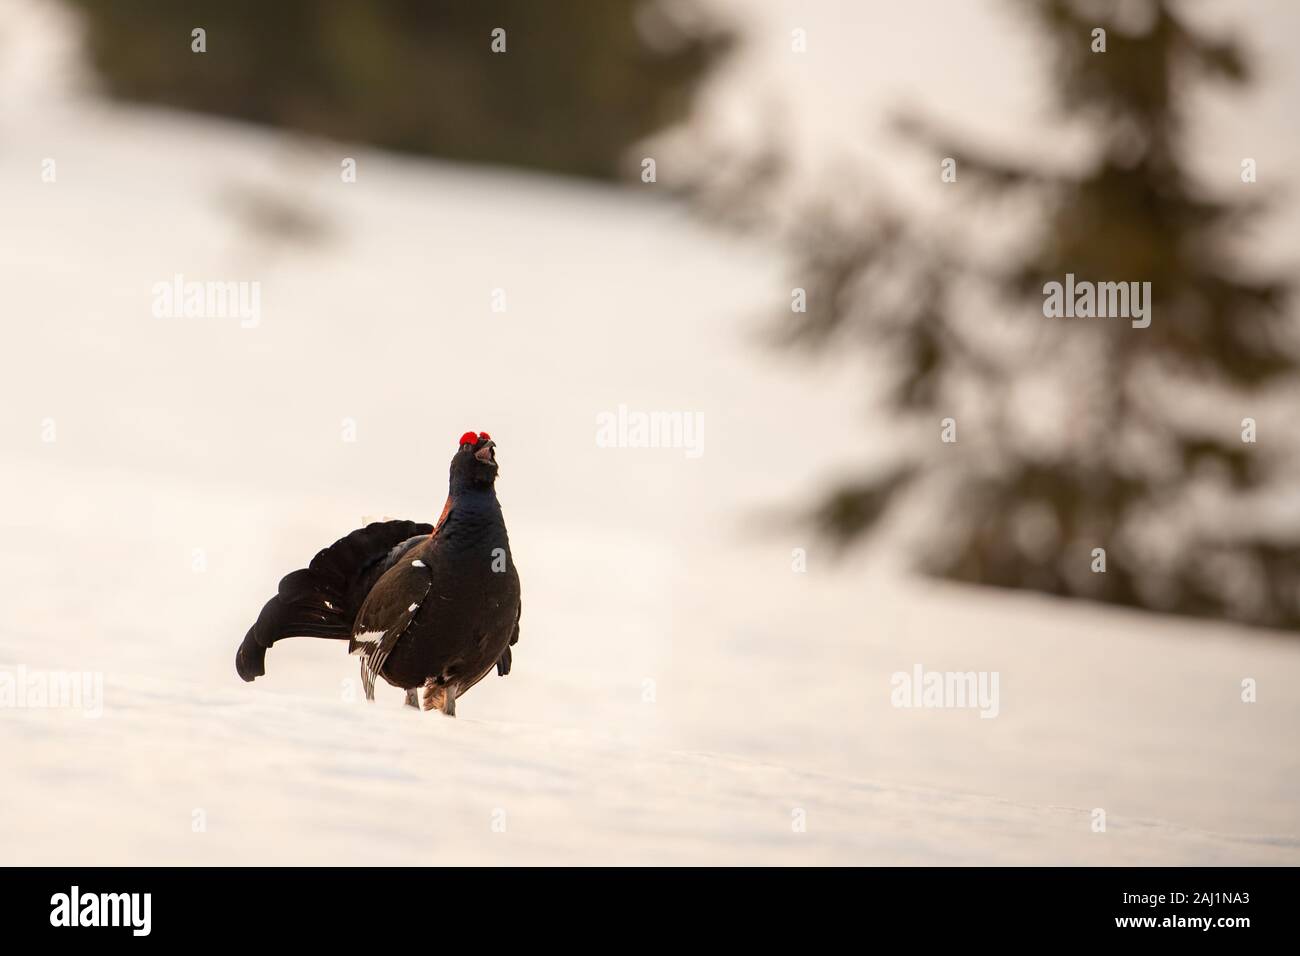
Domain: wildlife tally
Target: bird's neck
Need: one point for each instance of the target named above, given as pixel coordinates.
(471, 501)
(471, 494)
(471, 517)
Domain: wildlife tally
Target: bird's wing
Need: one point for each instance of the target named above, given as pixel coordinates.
(386, 614)
(503, 663)
(321, 600)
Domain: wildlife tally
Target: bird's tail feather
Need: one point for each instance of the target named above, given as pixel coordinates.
(322, 599)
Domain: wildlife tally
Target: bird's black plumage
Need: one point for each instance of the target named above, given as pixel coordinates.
(431, 609)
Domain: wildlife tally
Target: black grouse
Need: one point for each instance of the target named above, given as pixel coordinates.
(429, 608)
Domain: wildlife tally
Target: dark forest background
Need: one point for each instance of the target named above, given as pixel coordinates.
(579, 82)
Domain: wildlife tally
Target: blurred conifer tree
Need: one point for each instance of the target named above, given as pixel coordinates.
(1073, 434)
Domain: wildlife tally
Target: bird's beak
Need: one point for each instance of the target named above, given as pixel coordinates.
(486, 453)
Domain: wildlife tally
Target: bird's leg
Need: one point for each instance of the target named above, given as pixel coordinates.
(435, 697)
(413, 698)
(440, 697)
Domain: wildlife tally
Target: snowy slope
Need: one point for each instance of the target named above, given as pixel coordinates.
(287, 779)
(679, 693)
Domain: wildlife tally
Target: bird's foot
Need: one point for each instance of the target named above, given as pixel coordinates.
(440, 697)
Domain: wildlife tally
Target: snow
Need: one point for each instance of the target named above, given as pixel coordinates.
(679, 694)
(293, 779)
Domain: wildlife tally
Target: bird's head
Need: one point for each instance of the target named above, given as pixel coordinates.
(475, 462)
